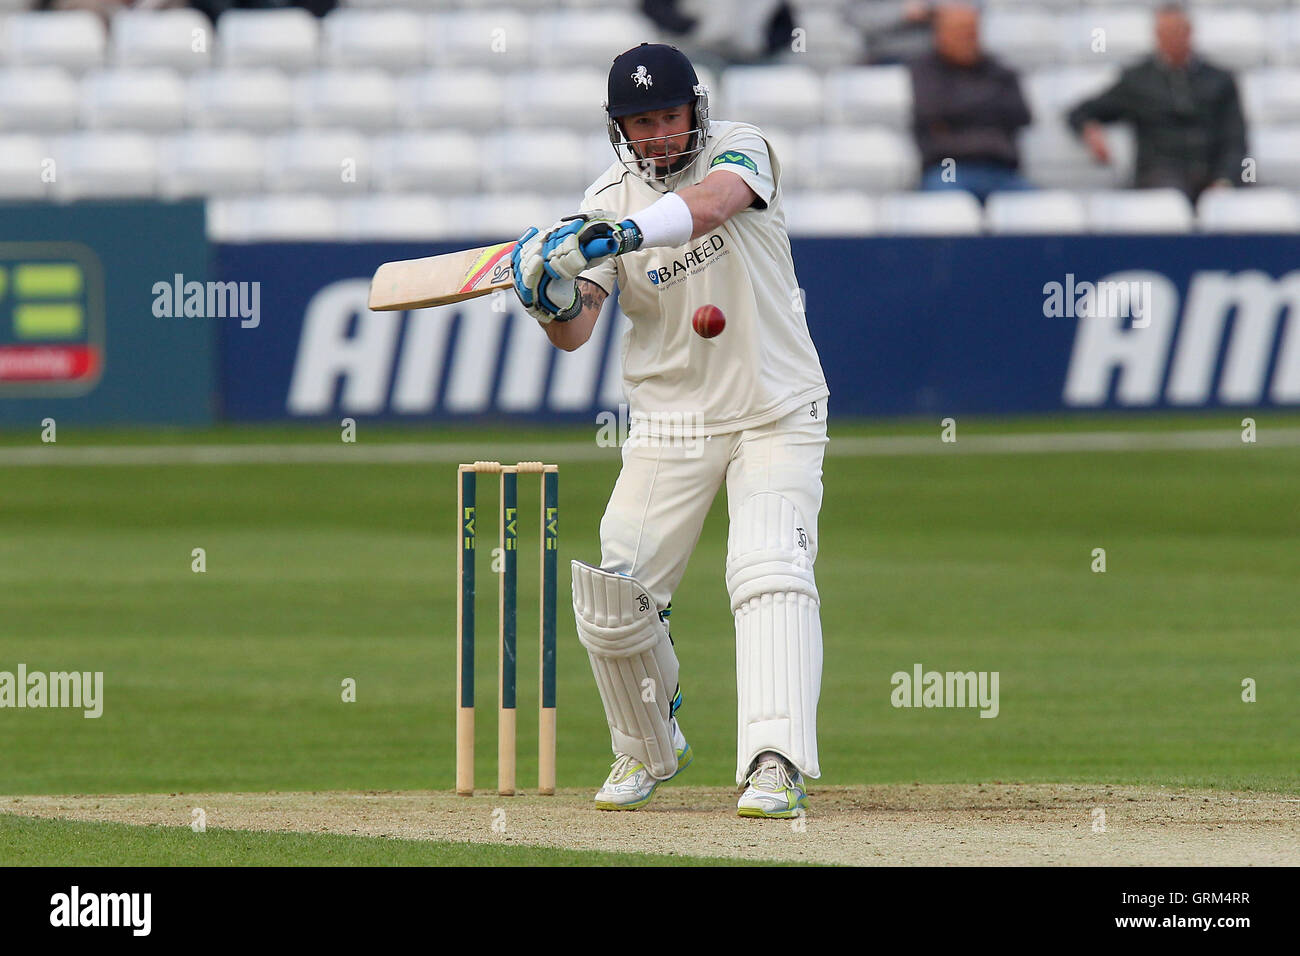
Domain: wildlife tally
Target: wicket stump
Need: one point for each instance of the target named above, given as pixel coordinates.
(507, 597)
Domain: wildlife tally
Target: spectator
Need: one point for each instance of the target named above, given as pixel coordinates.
(725, 31)
(895, 31)
(966, 110)
(1190, 131)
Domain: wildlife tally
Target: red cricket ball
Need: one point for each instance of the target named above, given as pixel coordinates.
(708, 321)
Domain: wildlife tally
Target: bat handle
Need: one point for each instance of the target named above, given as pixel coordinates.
(599, 248)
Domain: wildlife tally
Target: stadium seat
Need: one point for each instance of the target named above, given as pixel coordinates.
(1248, 210)
(464, 99)
(1270, 96)
(795, 169)
(318, 161)
(1282, 37)
(38, 98)
(839, 213)
(499, 39)
(869, 96)
(441, 162)
(1139, 211)
(500, 216)
(1277, 151)
(1021, 39)
(95, 165)
(553, 98)
(360, 98)
(1232, 39)
(209, 163)
(871, 158)
(273, 218)
(21, 165)
(1128, 34)
(597, 155)
(74, 39)
(535, 160)
(178, 39)
(571, 39)
(1052, 156)
(827, 41)
(930, 214)
(286, 39)
(143, 98)
(789, 96)
(256, 98)
(1051, 93)
(410, 217)
(394, 39)
(1025, 213)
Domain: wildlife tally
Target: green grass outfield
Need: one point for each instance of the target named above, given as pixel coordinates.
(33, 842)
(230, 680)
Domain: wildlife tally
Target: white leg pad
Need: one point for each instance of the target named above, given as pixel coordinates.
(778, 633)
(633, 662)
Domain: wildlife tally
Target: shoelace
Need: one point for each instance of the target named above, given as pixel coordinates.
(621, 765)
(771, 776)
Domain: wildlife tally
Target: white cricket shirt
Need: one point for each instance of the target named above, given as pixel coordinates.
(763, 365)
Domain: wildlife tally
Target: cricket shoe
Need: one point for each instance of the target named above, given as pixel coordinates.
(774, 790)
(629, 785)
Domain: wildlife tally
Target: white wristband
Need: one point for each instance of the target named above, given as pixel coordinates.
(666, 222)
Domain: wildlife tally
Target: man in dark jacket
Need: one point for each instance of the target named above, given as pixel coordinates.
(1190, 131)
(966, 110)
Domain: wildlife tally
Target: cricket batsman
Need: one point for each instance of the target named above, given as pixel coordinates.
(692, 213)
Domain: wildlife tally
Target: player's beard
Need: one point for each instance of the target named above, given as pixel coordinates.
(676, 165)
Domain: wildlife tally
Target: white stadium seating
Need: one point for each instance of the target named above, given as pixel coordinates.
(38, 98)
(1271, 96)
(412, 217)
(408, 119)
(870, 95)
(287, 39)
(557, 98)
(1248, 210)
(394, 39)
(320, 161)
(210, 163)
(460, 99)
(22, 160)
(498, 39)
(1031, 213)
(445, 162)
(874, 159)
(535, 160)
(838, 213)
(1139, 211)
(178, 39)
(271, 218)
(357, 98)
(930, 214)
(782, 95)
(578, 38)
(1276, 149)
(74, 39)
(105, 165)
(257, 98)
(150, 98)
(1233, 39)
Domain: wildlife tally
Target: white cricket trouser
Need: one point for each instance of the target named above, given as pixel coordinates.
(666, 486)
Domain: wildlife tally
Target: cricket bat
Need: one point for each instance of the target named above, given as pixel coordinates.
(454, 276)
(441, 280)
